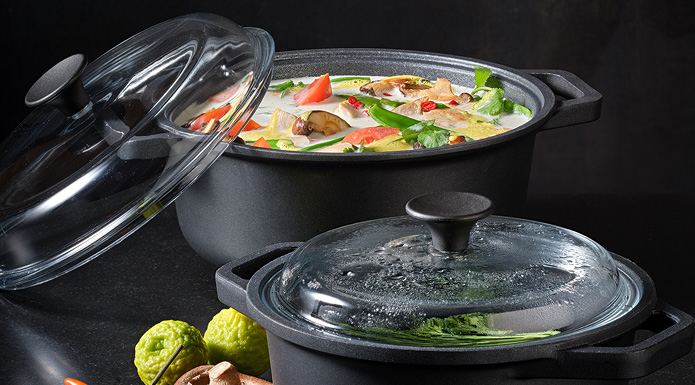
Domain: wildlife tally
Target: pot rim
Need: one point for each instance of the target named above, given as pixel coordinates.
(298, 61)
(313, 338)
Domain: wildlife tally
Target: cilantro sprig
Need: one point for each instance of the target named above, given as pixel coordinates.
(426, 133)
(492, 101)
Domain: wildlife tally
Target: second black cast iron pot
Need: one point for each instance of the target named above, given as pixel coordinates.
(328, 304)
(278, 196)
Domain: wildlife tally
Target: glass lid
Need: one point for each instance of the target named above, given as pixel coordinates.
(449, 275)
(112, 142)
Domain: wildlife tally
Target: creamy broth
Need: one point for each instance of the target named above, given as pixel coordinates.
(475, 125)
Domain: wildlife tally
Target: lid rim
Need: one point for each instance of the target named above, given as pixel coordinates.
(133, 203)
(313, 338)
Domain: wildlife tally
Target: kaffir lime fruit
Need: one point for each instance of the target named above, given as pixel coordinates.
(160, 342)
(233, 337)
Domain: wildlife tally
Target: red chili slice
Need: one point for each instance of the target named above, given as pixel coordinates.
(428, 105)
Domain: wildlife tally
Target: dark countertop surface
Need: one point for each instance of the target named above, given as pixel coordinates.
(85, 324)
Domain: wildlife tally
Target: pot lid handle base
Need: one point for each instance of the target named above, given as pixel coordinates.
(450, 216)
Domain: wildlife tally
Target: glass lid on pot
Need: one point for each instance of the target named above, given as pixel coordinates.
(449, 275)
(112, 142)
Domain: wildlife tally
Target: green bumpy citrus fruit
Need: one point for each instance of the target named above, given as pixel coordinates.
(160, 342)
(233, 337)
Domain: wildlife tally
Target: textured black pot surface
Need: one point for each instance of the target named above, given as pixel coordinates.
(240, 204)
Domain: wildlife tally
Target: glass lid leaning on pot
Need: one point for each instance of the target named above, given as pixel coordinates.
(449, 275)
(105, 147)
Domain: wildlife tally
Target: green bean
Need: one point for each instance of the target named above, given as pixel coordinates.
(323, 144)
(346, 78)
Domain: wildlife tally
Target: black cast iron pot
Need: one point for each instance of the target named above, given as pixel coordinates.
(279, 196)
(284, 288)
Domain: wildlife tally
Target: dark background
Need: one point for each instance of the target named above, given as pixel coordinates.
(626, 180)
(639, 54)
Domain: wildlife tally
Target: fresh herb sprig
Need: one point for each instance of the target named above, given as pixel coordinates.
(458, 330)
(492, 102)
(359, 149)
(426, 133)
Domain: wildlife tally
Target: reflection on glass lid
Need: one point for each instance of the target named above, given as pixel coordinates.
(103, 150)
(515, 276)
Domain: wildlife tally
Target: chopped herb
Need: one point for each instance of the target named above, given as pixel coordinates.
(361, 148)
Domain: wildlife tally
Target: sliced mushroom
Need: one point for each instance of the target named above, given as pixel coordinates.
(377, 87)
(196, 376)
(413, 90)
(407, 82)
(301, 126)
(441, 91)
(224, 373)
(321, 121)
(447, 117)
(251, 380)
(411, 108)
(465, 98)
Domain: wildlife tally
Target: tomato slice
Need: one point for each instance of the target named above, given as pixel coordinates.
(224, 95)
(216, 113)
(320, 89)
(369, 134)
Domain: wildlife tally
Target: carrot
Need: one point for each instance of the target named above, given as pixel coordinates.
(72, 381)
(251, 125)
(320, 89)
(261, 142)
(369, 134)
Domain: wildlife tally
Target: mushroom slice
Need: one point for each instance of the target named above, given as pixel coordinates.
(395, 82)
(321, 121)
(447, 117)
(441, 91)
(377, 87)
(413, 90)
(196, 376)
(224, 373)
(411, 108)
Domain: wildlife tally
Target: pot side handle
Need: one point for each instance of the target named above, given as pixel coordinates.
(575, 101)
(673, 338)
(233, 277)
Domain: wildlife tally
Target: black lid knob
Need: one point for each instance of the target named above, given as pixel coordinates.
(450, 216)
(61, 86)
